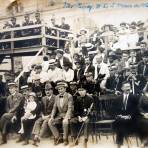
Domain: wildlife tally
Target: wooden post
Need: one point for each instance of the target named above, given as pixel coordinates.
(12, 63)
(58, 41)
(43, 31)
(43, 35)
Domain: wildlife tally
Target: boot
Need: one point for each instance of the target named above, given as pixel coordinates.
(4, 139)
(66, 142)
(20, 139)
(58, 141)
(26, 142)
(35, 141)
(85, 143)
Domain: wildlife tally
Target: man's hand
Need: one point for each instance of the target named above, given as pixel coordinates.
(146, 115)
(65, 120)
(51, 119)
(124, 117)
(44, 117)
(80, 119)
(84, 119)
(13, 119)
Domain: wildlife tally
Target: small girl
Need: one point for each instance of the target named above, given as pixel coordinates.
(29, 108)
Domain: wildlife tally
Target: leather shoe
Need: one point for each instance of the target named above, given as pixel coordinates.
(85, 143)
(58, 141)
(26, 142)
(3, 142)
(66, 142)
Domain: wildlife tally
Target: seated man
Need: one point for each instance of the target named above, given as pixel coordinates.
(41, 125)
(61, 113)
(82, 107)
(12, 108)
(127, 105)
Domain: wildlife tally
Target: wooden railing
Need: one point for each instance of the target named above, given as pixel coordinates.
(42, 35)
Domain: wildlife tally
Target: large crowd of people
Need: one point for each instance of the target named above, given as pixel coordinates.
(68, 86)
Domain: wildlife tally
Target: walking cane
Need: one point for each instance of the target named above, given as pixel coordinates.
(89, 110)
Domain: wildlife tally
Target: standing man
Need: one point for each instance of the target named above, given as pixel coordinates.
(127, 109)
(12, 108)
(61, 113)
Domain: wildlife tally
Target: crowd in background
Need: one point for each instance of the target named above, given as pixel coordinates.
(113, 61)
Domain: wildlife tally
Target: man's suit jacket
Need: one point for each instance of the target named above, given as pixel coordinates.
(13, 102)
(91, 69)
(80, 74)
(66, 110)
(48, 104)
(131, 106)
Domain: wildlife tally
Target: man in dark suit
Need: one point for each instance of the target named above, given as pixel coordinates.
(12, 108)
(27, 32)
(41, 124)
(61, 113)
(127, 111)
(88, 66)
(80, 114)
(78, 72)
(62, 33)
(16, 33)
(143, 65)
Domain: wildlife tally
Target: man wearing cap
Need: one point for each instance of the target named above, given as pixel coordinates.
(78, 72)
(68, 72)
(42, 74)
(143, 65)
(54, 73)
(83, 39)
(59, 57)
(27, 32)
(80, 114)
(133, 37)
(12, 108)
(52, 32)
(88, 66)
(62, 33)
(41, 124)
(13, 25)
(89, 84)
(37, 30)
(61, 113)
(101, 71)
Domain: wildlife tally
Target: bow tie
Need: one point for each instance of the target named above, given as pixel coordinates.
(61, 96)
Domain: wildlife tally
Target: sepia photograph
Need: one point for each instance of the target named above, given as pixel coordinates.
(74, 73)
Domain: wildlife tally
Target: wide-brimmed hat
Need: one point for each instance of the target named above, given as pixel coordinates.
(59, 50)
(36, 77)
(88, 74)
(12, 84)
(32, 94)
(140, 23)
(24, 87)
(89, 46)
(52, 62)
(61, 84)
(48, 86)
(72, 83)
(83, 29)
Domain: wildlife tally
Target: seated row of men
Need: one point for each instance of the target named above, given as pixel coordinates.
(36, 114)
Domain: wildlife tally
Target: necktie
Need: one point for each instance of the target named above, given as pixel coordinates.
(125, 101)
(61, 101)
